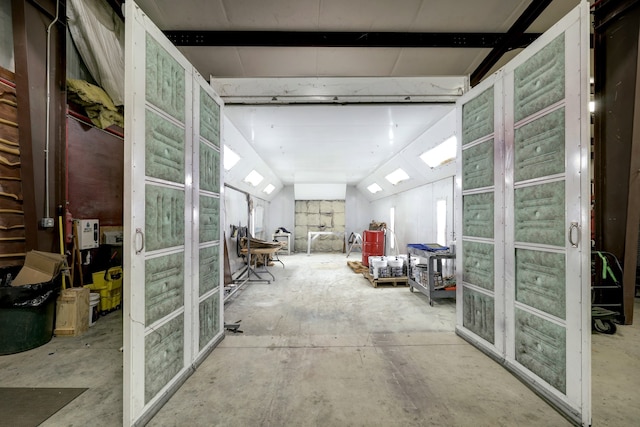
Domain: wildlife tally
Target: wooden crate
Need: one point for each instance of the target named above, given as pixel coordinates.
(386, 281)
(72, 312)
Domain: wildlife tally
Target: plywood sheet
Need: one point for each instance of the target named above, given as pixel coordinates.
(95, 171)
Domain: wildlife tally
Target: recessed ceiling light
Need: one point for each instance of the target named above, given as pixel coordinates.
(254, 178)
(396, 176)
(230, 158)
(374, 188)
(442, 153)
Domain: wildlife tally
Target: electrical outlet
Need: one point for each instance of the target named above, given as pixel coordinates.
(46, 222)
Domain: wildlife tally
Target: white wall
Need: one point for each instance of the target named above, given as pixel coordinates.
(282, 212)
(357, 209)
(415, 213)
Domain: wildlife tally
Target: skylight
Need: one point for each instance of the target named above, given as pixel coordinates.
(269, 188)
(254, 178)
(374, 188)
(230, 158)
(396, 176)
(441, 154)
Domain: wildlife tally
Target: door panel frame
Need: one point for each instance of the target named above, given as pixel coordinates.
(137, 411)
(576, 404)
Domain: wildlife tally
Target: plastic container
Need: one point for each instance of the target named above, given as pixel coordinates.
(372, 244)
(371, 260)
(94, 300)
(422, 274)
(380, 268)
(26, 313)
(395, 267)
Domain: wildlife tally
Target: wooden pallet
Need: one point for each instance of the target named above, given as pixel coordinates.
(386, 281)
(357, 266)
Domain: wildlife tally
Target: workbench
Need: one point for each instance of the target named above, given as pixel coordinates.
(263, 253)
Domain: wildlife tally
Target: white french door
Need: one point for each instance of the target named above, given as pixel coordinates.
(524, 253)
(173, 298)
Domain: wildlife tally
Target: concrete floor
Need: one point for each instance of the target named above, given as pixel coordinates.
(321, 347)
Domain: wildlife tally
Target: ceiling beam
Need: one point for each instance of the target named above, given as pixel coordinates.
(506, 44)
(347, 39)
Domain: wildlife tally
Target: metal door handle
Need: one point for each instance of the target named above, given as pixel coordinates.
(574, 226)
(141, 234)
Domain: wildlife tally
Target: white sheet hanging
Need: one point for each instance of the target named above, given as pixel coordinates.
(98, 33)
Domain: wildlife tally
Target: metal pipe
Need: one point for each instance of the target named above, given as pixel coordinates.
(48, 113)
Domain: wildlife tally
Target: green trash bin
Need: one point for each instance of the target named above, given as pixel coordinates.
(26, 314)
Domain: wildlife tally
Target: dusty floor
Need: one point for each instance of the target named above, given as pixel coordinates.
(321, 347)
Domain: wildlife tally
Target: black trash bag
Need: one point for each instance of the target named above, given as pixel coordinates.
(33, 295)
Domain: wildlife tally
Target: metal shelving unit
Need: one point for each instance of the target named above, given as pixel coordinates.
(434, 261)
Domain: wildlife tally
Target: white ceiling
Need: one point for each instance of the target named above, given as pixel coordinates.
(331, 143)
(337, 143)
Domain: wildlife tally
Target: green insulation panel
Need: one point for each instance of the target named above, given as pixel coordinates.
(541, 347)
(209, 219)
(540, 81)
(209, 319)
(164, 217)
(477, 166)
(540, 281)
(477, 117)
(209, 270)
(164, 148)
(165, 80)
(539, 214)
(209, 118)
(478, 314)
(209, 168)
(164, 286)
(164, 356)
(478, 266)
(539, 147)
(478, 215)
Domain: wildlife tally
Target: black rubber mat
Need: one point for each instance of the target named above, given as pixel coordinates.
(30, 406)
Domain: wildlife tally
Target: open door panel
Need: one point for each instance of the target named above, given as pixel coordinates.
(524, 190)
(173, 298)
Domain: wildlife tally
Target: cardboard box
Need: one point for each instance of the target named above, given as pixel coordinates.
(40, 267)
(72, 312)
